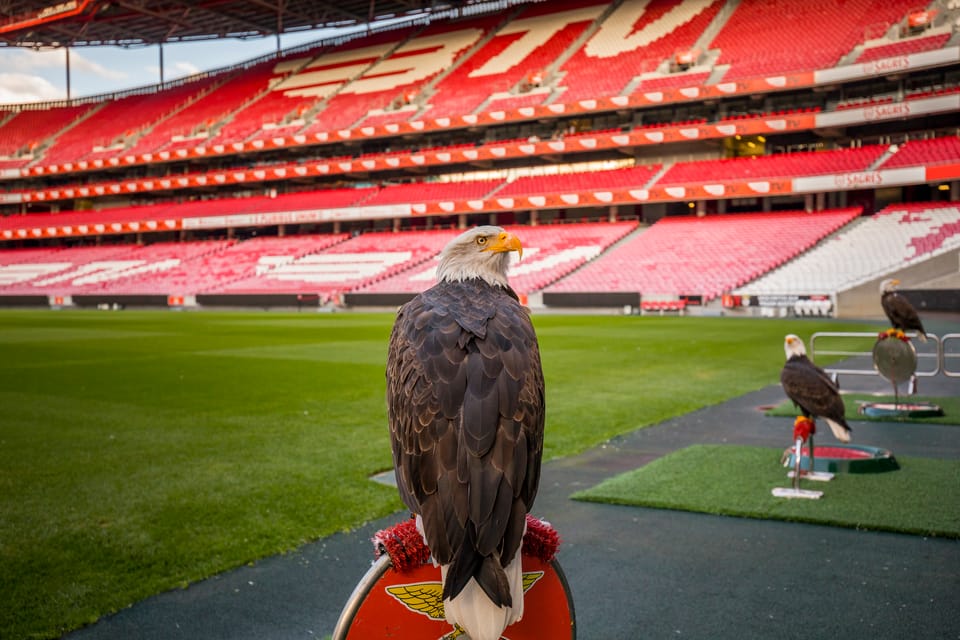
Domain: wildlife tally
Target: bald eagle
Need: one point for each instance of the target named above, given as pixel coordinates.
(465, 403)
(899, 311)
(811, 389)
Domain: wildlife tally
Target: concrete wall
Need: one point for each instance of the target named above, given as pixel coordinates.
(863, 301)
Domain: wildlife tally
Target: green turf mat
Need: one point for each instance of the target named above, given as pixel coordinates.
(852, 402)
(920, 498)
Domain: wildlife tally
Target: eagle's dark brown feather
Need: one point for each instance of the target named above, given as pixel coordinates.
(812, 390)
(465, 404)
(901, 313)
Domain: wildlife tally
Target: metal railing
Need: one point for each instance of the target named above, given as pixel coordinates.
(925, 357)
(953, 356)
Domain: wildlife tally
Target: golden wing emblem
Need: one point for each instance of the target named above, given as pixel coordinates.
(530, 579)
(425, 598)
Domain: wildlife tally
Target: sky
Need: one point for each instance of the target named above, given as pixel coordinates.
(37, 76)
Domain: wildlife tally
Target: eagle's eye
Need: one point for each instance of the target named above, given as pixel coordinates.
(481, 240)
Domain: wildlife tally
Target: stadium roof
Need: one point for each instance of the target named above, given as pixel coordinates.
(57, 23)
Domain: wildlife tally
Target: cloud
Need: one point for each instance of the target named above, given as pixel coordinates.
(177, 70)
(187, 68)
(26, 60)
(19, 88)
(56, 59)
(80, 63)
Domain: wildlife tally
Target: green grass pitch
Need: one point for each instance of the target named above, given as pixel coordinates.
(143, 451)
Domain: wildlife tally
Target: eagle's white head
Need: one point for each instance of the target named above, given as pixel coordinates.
(888, 285)
(481, 252)
(793, 346)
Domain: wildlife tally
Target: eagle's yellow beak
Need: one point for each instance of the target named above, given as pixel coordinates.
(895, 282)
(506, 241)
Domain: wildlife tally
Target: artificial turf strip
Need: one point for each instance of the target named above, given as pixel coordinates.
(143, 451)
(852, 402)
(920, 498)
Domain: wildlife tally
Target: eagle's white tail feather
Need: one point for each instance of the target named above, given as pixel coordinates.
(476, 614)
(843, 435)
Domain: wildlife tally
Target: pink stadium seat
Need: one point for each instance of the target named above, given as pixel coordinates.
(197, 120)
(550, 252)
(25, 132)
(498, 68)
(393, 70)
(432, 192)
(775, 166)
(634, 39)
(119, 121)
(925, 152)
(819, 33)
(904, 47)
(279, 101)
(342, 266)
(672, 81)
(627, 178)
(291, 202)
(703, 256)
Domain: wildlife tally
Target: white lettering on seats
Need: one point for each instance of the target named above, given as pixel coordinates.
(536, 31)
(616, 35)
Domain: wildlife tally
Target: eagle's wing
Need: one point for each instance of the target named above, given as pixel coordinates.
(466, 409)
(901, 313)
(811, 388)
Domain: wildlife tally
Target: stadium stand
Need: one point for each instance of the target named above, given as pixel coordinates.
(774, 166)
(819, 33)
(549, 253)
(903, 47)
(196, 122)
(388, 74)
(24, 133)
(705, 256)
(431, 191)
(933, 151)
(280, 104)
(636, 38)
(104, 219)
(528, 77)
(524, 47)
(118, 123)
(343, 266)
(630, 177)
(869, 248)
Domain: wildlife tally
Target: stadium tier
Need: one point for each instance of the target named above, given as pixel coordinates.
(568, 112)
(631, 177)
(112, 126)
(542, 54)
(377, 73)
(869, 248)
(706, 256)
(768, 38)
(550, 252)
(904, 47)
(633, 40)
(537, 37)
(932, 152)
(459, 195)
(351, 264)
(776, 166)
(23, 132)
